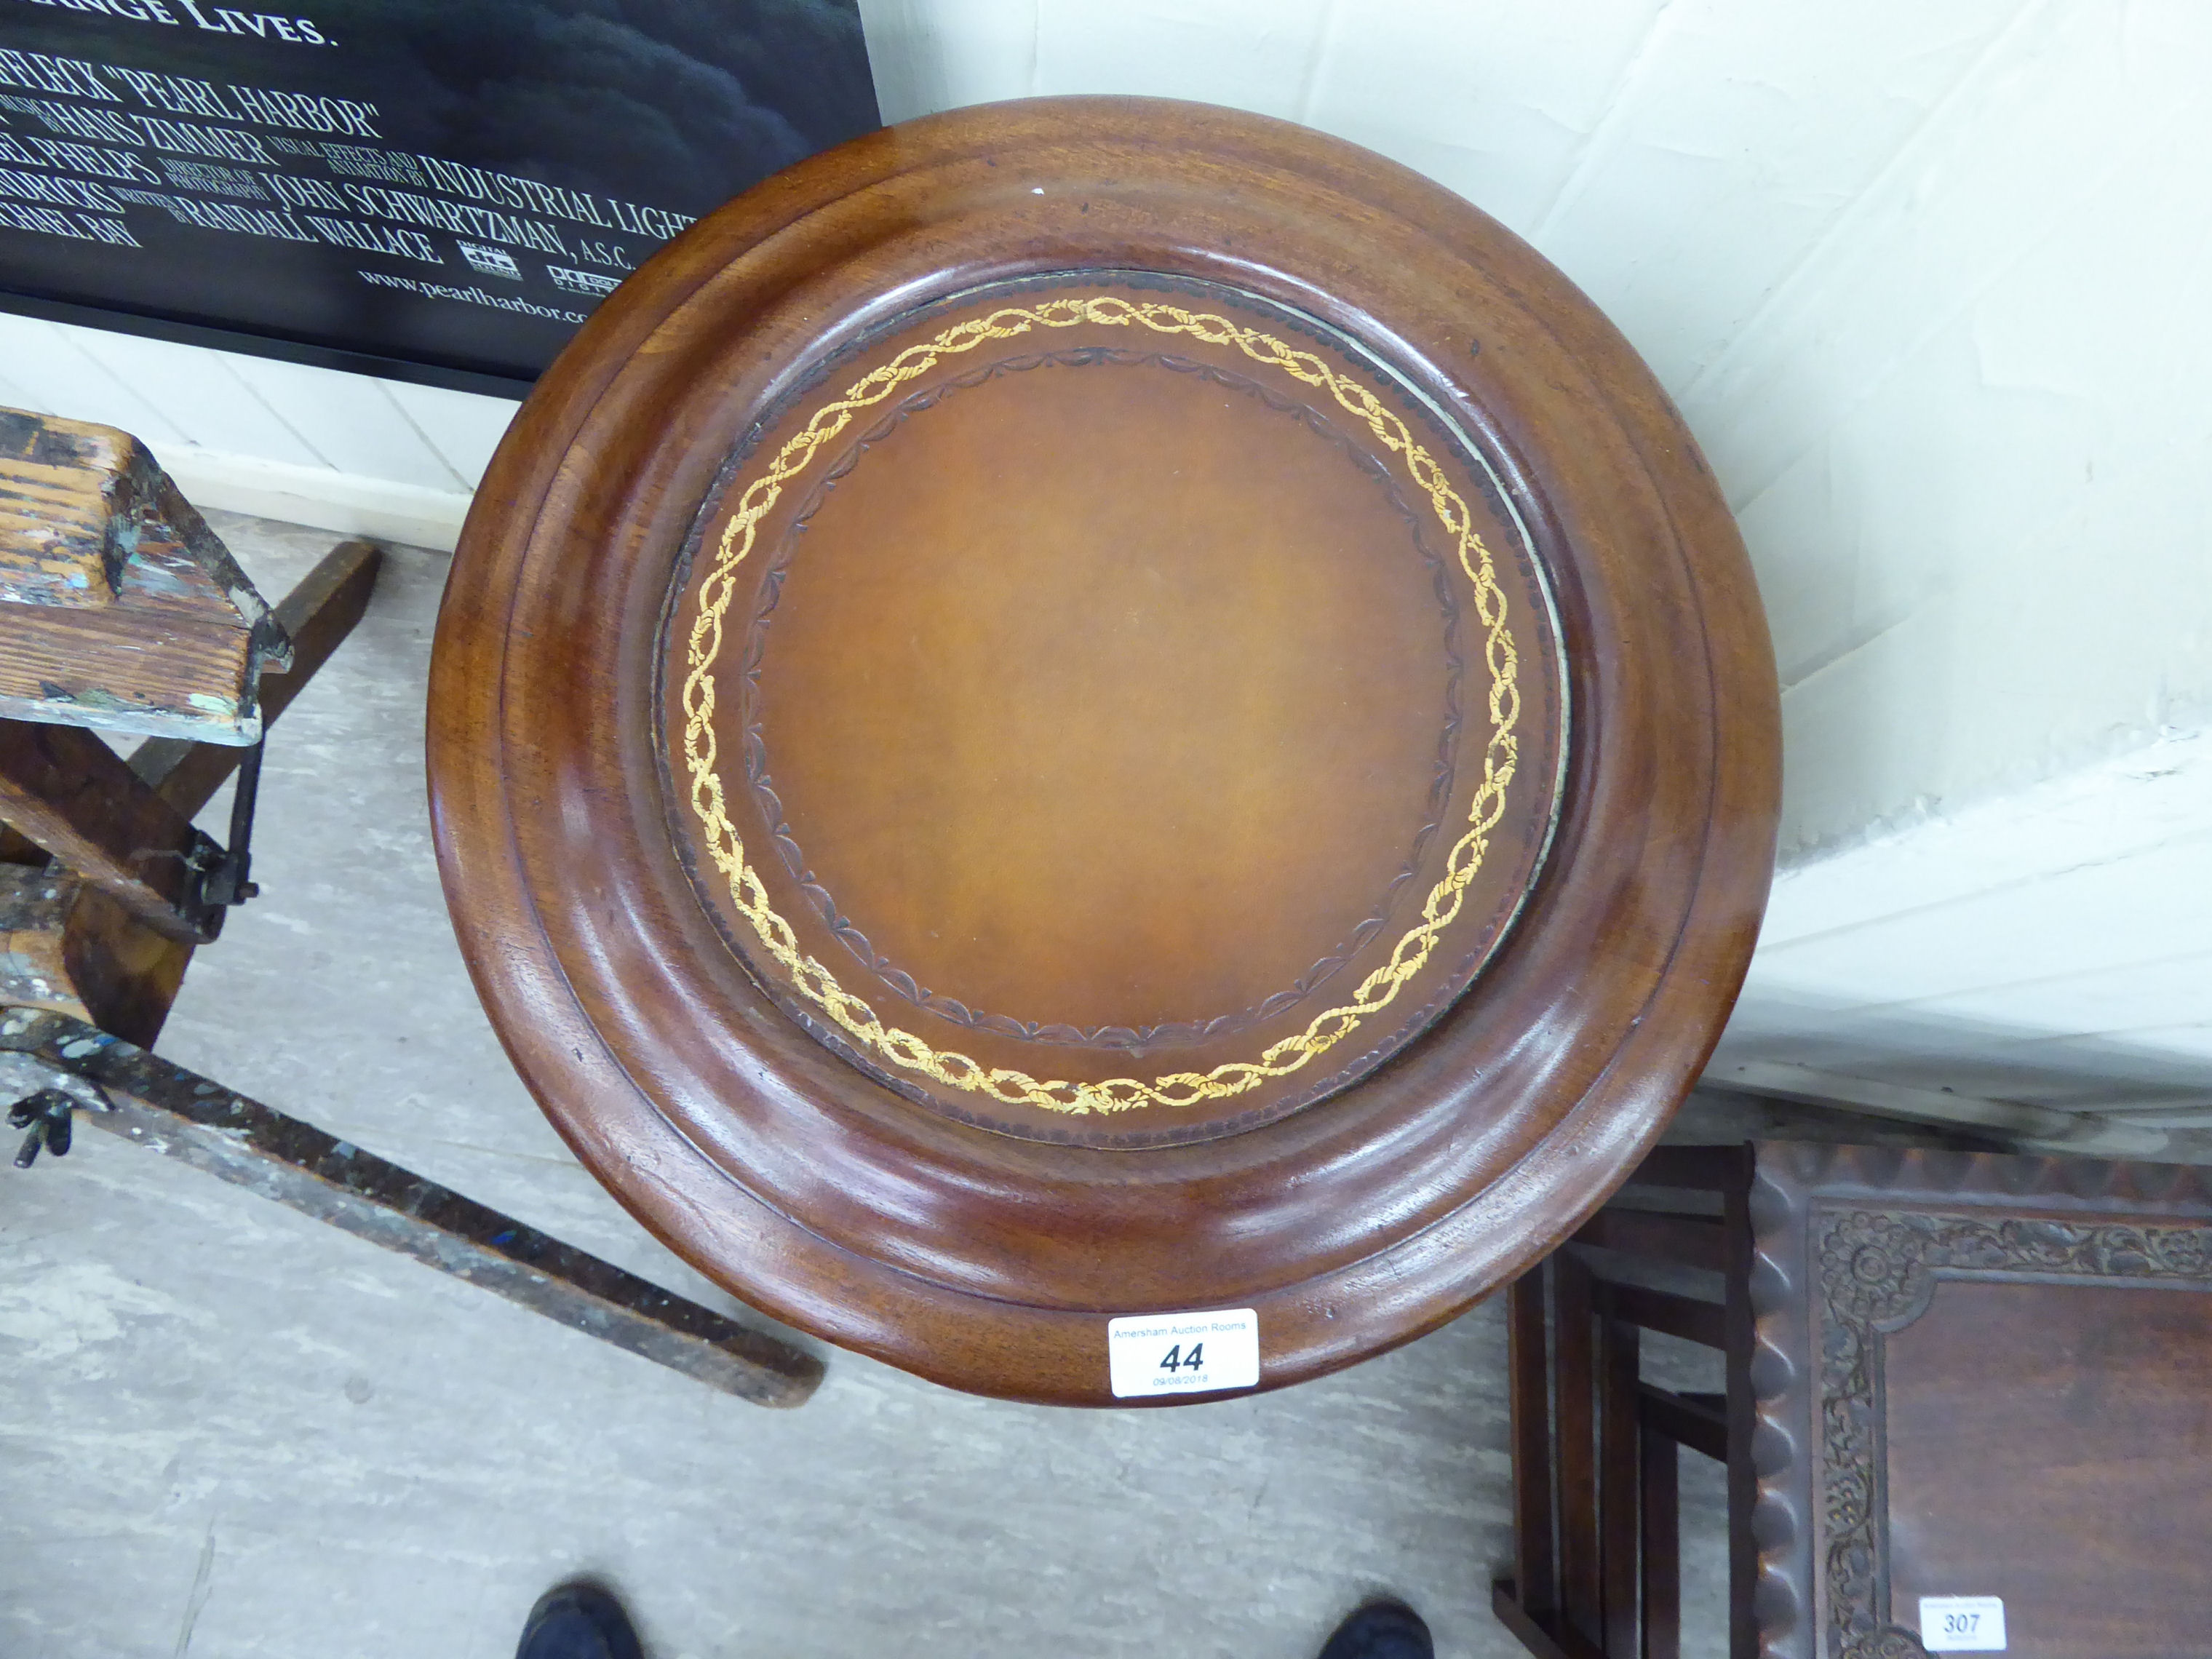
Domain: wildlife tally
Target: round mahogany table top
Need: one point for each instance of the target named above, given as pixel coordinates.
(1094, 708)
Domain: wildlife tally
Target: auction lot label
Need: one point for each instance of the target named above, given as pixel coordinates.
(1183, 1353)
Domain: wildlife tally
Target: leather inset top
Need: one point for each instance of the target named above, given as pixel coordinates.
(1102, 700)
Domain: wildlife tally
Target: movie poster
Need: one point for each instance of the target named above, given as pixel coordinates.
(444, 188)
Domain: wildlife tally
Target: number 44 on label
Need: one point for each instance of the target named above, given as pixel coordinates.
(1152, 1355)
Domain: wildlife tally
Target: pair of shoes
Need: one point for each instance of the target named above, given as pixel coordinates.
(582, 1621)
(1381, 1630)
(578, 1621)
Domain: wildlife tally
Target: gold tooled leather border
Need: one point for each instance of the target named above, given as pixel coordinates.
(814, 981)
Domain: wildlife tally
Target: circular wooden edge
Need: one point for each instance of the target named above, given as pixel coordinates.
(1519, 1182)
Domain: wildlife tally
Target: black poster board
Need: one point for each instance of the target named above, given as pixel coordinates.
(430, 190)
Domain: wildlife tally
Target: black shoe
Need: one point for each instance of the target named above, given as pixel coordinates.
(1381, 1630)
(578, 1621)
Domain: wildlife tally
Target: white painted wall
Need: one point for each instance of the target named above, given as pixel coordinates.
(1925, 280)
(343, 452)
(2051, 946)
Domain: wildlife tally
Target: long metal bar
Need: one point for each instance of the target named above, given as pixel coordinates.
(157, 1104)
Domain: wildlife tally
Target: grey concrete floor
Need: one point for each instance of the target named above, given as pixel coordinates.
(230, 1430)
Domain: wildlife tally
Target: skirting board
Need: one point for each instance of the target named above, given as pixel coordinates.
(2033, 1126)
(347, 502)
(2047, 951)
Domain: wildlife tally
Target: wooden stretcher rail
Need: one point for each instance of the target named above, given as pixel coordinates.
(1699, 1422)
(1689, 1241)
(1685, 1316)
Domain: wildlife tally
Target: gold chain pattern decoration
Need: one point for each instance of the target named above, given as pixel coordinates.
(957, 1071)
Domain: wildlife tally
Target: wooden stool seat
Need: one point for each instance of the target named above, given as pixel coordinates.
(1029, 722)
(119, 610)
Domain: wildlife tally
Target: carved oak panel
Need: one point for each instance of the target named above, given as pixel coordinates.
(1988, 1365)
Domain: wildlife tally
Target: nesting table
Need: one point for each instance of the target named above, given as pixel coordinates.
(1964, 1408)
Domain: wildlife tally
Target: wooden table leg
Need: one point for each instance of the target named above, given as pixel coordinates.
(1662, 1555)
(1620, 1514)
(1535, 1577)
(1574, 1383)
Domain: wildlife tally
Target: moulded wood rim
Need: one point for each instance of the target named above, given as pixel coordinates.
(807, 1190)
